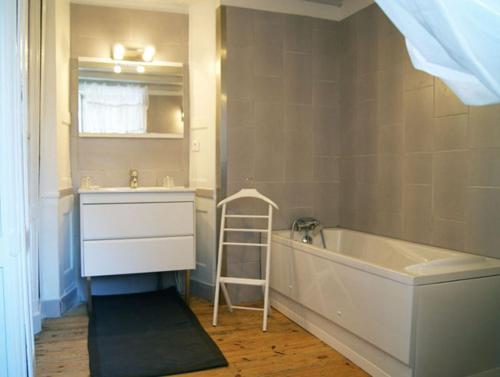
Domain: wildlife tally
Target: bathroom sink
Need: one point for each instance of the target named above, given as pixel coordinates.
(138, 189)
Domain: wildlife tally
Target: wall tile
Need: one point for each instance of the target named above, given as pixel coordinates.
(299, 118)
(391, 139)
(298, 78)
(389, 196)
(299, 195)
(449, 234)
(366, 41)
(483, 221)
(418, 168)
(298, 33)
(240, 113)
(269, 114)
(269, 28)
(347, 35)
(484, 167)
(239, 26)
(269, 154)
(484, 129)
(414, 161)
(325, 93)
(365, 128)
(391, 50)
(446, 103)
(366, 87)
(326, 169)
(268, 89)
(325, 67)
(326, 203)
(326, 131)
(450, 132)
(241, 144)
(298, 154)
(268, 60)
(385, 223)
(450, 179)
(418, 120)
(417, 213)
(324, 41)
(239, 72)
(390, 104)
(348, 79)
(366, 168)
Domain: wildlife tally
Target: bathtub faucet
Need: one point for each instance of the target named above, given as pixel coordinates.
(307, 225)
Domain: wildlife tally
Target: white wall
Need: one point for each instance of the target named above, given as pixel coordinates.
(58, 260)
(202, 88)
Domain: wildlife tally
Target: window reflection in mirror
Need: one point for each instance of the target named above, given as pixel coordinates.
(130, 101)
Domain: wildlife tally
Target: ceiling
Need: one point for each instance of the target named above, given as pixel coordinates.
(327, 9)
(337, 3)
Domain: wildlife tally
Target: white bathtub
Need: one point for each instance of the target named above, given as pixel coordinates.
(395, 308)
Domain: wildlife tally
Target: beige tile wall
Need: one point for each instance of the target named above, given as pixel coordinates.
(281, 80)
(331, 120)
(108, 161)
(281, 75)
(416, 163)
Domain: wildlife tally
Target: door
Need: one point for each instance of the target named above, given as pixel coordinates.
(16, 335)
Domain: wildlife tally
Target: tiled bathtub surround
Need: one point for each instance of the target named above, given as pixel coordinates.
(281, 80)
(331, 120)
(280, 74)
(94, 30)
(416, 163)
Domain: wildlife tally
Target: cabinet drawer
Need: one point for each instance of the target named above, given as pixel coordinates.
(132, 256)
(136, 220)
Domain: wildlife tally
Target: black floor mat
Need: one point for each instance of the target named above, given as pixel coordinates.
(146, 335)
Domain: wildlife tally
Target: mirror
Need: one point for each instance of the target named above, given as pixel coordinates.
(130, 98)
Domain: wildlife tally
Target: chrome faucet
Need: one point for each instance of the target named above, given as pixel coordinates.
(134, 178)
(308, 225)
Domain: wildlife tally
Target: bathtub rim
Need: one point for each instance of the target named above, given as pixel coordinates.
(385, 272)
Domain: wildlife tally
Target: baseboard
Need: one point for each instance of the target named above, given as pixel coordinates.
(51, 308)
(37, 323)
(56, 308)
(202, 289)
(70, 300)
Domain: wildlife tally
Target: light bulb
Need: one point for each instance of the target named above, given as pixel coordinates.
(148, 53)
(117, 68)
(140, 69)
(118, 51)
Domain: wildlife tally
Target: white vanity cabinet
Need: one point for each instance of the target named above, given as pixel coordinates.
(129, 231)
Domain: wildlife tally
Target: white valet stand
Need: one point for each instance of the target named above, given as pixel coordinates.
(223, 280)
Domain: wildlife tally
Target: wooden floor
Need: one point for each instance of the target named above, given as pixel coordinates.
(285, 350)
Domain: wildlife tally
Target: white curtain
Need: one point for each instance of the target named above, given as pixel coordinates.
(112, 108)
(455, 40)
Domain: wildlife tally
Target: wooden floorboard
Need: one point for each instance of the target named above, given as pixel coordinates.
(285, 350)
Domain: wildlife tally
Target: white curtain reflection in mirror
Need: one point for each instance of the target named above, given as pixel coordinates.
(112, 108)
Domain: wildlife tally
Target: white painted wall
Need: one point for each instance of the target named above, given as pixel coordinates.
(58, 262)
(202, 169)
